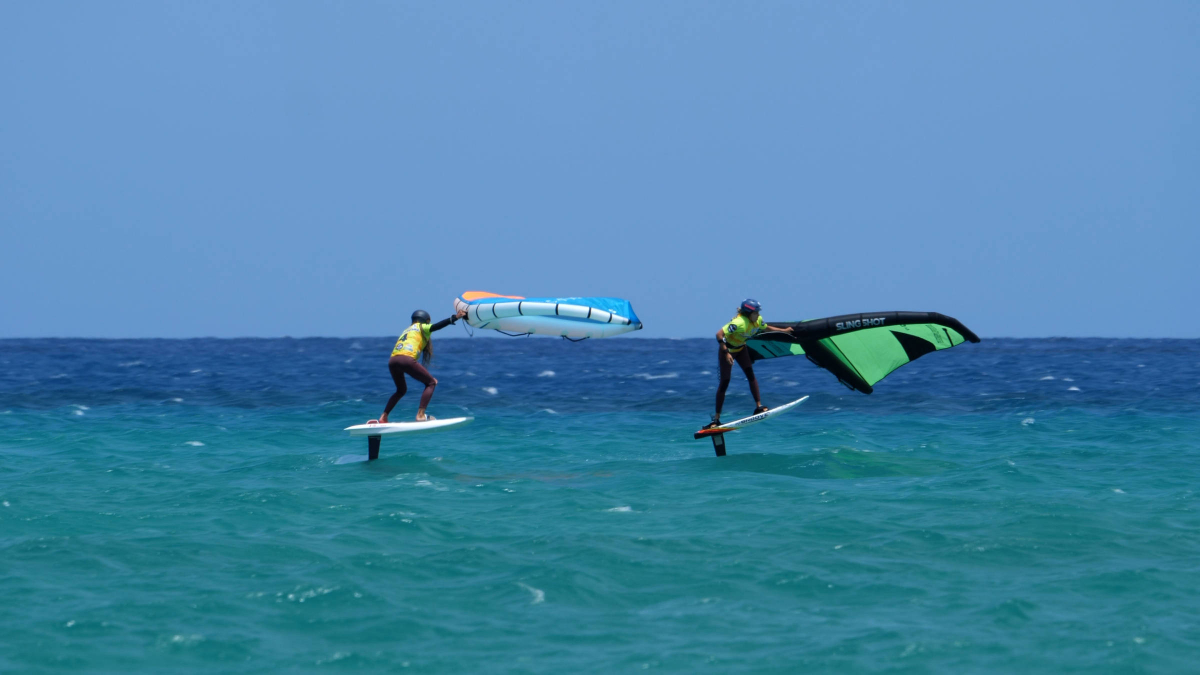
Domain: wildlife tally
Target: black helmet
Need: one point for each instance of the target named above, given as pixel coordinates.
(749, 306)
(420, 316)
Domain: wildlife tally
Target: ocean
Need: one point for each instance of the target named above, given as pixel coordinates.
(193, 506)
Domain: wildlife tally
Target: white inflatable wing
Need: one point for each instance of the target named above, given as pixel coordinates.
(574, 318)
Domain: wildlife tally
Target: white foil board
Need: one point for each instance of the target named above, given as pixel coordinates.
(747, 421)
(392, 428)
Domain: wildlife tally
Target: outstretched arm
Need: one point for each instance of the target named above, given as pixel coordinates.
(448, 320)
(777, 329)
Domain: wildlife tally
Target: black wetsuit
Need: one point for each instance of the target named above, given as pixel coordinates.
(742, 356)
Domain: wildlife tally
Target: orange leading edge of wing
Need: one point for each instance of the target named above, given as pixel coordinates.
(470, 296)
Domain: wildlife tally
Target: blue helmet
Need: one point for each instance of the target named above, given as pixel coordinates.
(420, 316)
(749, 306)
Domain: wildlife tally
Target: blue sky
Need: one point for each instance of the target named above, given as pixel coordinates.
(177, 169)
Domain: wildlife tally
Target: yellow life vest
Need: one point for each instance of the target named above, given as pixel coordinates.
(412, 341)
(739, 329)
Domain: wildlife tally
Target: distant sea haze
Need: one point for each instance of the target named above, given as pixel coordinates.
(1015, 505)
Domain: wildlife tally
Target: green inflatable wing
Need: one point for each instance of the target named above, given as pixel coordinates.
(862, 349)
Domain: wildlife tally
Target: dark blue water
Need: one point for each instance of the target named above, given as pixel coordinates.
(178, 505)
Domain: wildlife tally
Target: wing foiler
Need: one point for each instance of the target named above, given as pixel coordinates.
(573, 318)
(862, 349)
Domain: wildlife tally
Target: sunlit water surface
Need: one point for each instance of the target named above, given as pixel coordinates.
(1012, 506)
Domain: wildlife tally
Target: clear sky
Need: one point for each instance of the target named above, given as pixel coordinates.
(226, 168)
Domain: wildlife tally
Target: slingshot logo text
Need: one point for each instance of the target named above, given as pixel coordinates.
(860, 323)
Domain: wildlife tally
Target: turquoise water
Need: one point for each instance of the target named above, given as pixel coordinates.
(1018, 505)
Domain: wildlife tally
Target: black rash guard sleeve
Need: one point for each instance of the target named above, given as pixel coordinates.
(443, 323)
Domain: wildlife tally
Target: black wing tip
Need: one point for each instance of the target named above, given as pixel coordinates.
(951, 322)
(962, 330)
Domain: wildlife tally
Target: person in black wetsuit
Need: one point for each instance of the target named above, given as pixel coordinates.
(415, 340)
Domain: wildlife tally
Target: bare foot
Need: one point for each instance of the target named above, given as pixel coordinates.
(425, 418)
(383, 418)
